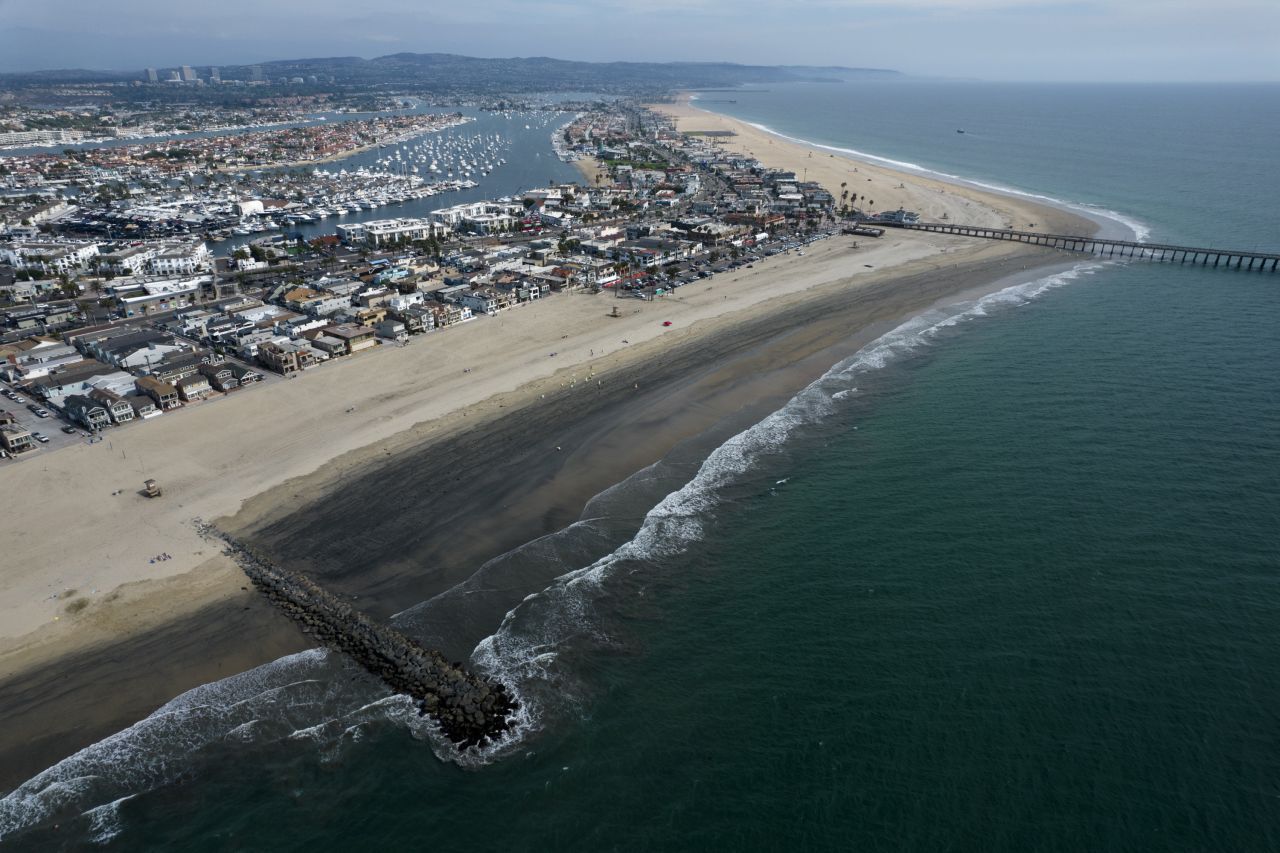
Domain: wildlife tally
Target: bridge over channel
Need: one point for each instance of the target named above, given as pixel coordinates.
(1227, 258)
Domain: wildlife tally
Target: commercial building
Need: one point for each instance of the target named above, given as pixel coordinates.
(383, 231)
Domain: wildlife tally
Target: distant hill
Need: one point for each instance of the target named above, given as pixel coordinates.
(450, 73)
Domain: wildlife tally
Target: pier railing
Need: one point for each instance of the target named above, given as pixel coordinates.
(1229, 258)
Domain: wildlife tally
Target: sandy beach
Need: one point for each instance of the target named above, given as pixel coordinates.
(82, 601)
(592, 170)
(883, 188)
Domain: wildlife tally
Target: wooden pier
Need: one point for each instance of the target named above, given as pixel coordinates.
(1227, 258)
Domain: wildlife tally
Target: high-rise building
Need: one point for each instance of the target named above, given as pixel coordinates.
(215, 74)
(188, 74)
(152, 76)
(255, 72)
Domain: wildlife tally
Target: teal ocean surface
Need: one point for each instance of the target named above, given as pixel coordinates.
(1008, 579)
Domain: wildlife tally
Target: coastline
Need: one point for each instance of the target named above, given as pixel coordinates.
(591, 170)
(934, 198)
(416, 400)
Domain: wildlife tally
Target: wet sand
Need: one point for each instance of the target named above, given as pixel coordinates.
(436, 472)
(414, 515)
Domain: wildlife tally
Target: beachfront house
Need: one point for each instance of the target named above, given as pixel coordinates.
(393, 330)
(164, 394)
(143, 406)
(244, 375)
(479, 301)
(354, 338)
(286, 357)
(194, 387)
(220, 377)
(417, 319)
(117, 407)
(87, 412)
(178, 367)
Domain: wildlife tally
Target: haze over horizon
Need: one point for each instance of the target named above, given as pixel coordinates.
(1014, 40)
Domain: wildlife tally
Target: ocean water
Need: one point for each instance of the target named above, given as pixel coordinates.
(1006, 579)
(524, 142)
(525, 145)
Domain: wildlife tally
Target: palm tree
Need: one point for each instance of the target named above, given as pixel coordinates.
(623, 267)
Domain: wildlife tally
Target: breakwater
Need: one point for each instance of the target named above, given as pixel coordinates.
(470, 710)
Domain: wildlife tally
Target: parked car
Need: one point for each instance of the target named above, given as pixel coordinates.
(69, 430)
(40, 437)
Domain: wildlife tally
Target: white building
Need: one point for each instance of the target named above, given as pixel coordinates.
(181, 259)
(484, 217)
(400, 302)
(39, 137)
(148, 297)
(133, 260)
(383, 231)
(52, 258)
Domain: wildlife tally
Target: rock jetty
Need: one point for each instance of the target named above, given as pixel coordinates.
(471, 710)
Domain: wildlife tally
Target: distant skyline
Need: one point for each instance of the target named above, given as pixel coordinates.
(1031, 40)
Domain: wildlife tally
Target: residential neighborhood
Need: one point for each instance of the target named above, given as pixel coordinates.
(106, 334)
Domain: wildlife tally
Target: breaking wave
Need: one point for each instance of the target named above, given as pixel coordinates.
(317, 697)
(1139, 230)
(530, 649)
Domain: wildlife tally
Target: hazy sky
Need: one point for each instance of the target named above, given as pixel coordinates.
(1119, 40)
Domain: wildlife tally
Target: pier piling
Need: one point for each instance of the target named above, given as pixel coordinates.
(1228, 259)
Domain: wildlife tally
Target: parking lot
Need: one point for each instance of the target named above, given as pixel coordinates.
(50, 427)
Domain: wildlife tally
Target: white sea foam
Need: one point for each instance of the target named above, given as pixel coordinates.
(297, 697)
(152, 750)
(524, 652)
(105, 822)
(1140, 231)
